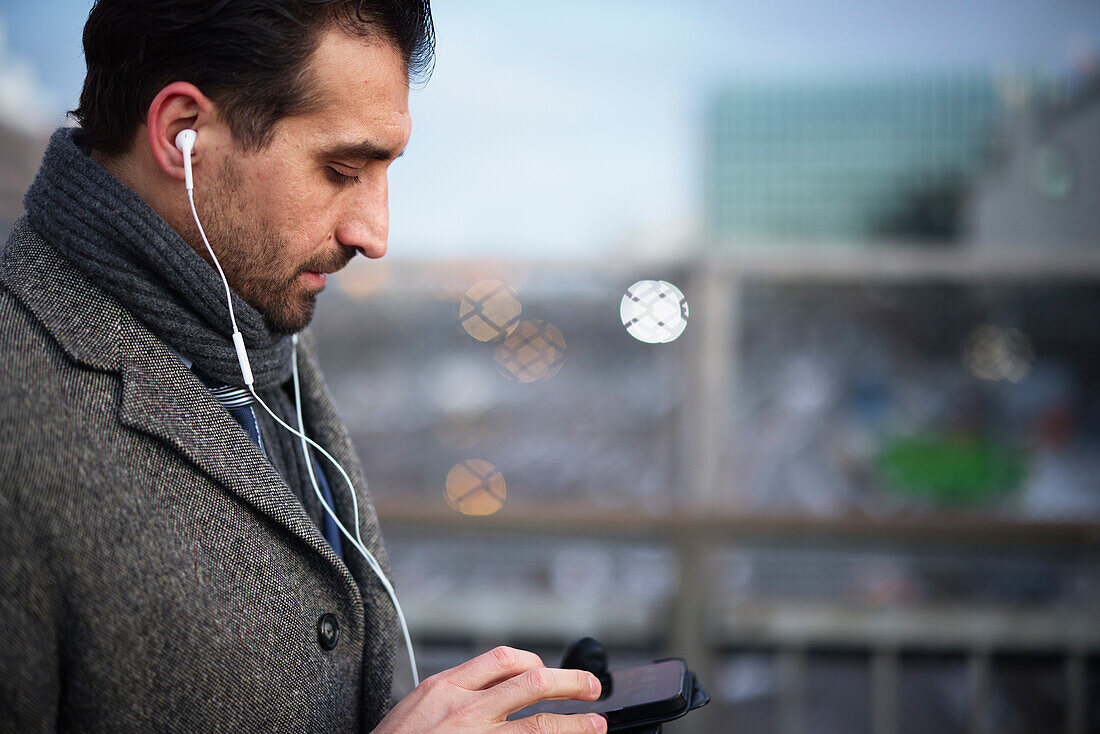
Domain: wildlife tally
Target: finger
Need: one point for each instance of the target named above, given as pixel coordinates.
(543, 684)
(558, 724)
(492, 668)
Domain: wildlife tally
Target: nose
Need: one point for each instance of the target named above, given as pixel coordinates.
(365, 215)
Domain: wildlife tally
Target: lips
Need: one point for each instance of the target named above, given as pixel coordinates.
(315, 274)
(331, 264)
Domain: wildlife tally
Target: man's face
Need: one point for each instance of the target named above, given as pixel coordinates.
(282, 218)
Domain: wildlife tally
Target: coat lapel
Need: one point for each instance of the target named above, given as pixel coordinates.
(162, 398)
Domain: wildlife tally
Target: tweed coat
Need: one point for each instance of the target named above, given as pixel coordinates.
(156, 574)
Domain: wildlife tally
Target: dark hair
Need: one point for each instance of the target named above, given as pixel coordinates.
(248, 56)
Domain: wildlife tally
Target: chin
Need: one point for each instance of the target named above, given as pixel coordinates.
(288, 321)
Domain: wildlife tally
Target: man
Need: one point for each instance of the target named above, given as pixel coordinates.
(167, 565)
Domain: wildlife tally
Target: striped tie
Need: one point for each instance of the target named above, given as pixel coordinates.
(238, 401)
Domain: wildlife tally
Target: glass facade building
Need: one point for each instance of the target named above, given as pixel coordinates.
(846, 160)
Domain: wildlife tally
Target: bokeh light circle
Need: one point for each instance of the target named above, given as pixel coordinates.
(489, 310)
(994, 353)
(534, 351)
(654, 311)
(475, 487)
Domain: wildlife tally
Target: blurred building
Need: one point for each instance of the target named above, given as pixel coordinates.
(845, 160)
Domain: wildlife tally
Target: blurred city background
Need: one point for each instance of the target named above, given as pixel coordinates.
(860, 492)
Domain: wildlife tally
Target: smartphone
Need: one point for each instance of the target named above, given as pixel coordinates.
(637, 695)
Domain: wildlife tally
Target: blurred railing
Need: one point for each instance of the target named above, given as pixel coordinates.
(735, 496)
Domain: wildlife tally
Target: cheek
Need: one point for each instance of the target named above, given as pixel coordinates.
(283, 218)
(305, 215)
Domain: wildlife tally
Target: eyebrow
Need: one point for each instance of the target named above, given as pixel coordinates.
(365, 150)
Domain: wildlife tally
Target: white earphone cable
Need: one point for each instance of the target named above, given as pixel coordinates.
(218, 265)
(301, 433)
(357, 540)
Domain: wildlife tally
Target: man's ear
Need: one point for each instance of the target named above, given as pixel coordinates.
(178, 106)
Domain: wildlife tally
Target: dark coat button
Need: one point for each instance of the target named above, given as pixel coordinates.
(328, 631)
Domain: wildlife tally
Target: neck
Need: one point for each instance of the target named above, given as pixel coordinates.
(121, 167)
(137, 170)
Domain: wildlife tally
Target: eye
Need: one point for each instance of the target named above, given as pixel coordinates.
(341, 179)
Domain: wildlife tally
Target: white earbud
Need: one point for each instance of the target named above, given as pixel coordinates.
(185, 142)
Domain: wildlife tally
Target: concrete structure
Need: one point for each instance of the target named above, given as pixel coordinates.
(1044, 191)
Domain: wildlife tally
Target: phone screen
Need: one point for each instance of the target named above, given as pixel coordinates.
(636, 693)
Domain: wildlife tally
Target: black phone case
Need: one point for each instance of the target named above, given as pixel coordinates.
(697, 698)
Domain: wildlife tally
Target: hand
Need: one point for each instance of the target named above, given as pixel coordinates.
(478, 696)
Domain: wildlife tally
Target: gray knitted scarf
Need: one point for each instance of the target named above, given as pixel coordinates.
(111, 235)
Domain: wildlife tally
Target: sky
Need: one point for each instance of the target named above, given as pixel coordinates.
(574, 129)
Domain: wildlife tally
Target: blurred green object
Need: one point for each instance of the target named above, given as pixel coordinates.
(950, 469)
